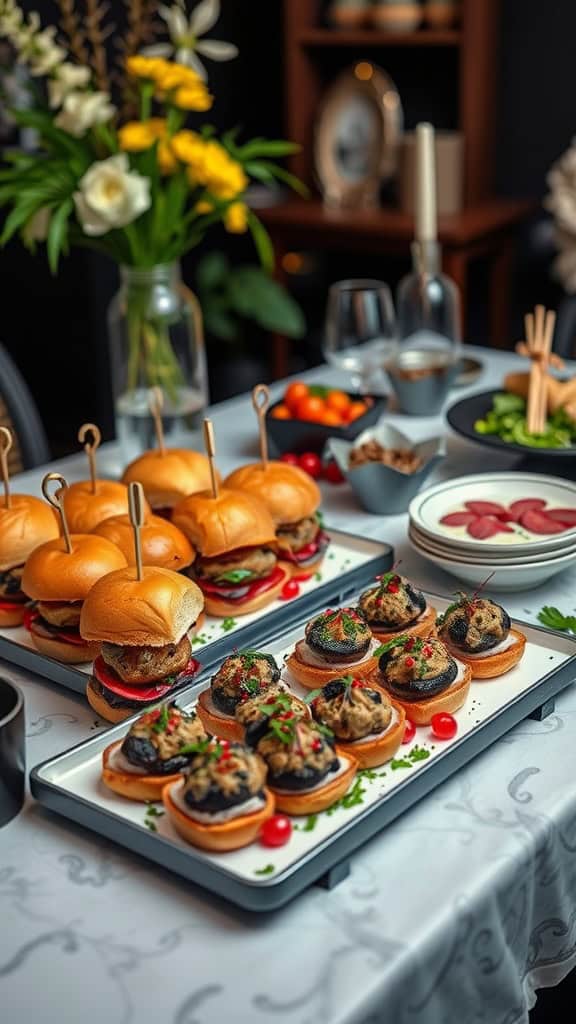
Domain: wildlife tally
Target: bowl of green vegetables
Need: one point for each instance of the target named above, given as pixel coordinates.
(498, 419)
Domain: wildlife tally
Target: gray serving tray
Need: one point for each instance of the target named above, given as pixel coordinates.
(320, 848)
(351, 562)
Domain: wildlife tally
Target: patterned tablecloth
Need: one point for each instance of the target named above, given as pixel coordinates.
(451, 916)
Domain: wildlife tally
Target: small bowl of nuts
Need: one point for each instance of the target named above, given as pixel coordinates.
(384, 468)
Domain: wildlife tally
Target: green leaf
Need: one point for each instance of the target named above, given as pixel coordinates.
(22, 212)
(265, 171)
(219, 323)
(268, 870)
(212, 271)
(235, 575)
(260, 171)
(254, 294)
(267, 147)
(262, 241)
(56, 241)
(554, 619)
(43, 123)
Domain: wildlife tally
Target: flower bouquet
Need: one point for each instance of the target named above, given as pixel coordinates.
(124, 167)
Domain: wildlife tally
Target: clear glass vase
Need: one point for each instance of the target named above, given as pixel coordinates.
(157, 339)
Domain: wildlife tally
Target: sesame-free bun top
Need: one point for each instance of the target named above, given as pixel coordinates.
(28, 523)
(163, 544)
(51, 574)
(85, 510)
(169, 477)
(287, 491)
(154, 611)
(217, 525)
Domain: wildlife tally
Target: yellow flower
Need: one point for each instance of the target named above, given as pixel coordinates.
(137, 136)
(224, 177)
(193, 98)
(166, 159)
(203, 206)
(188, 147)
(145, 67)
(236, 219)
(172, 76)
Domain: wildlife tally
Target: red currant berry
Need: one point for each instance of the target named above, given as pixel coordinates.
(444, 726)
(311, 464)
(290, 590)
(276, 831)
(409, 732)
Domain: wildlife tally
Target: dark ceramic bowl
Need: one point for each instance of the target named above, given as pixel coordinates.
(381, 489)
(12, 747)
(302, 436)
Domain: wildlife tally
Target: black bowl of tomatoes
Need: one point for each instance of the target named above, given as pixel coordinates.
(308, 414)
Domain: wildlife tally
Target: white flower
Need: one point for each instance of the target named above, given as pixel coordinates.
(184, 34)
(82, 110)
(111, 195)
(68, 77)
(43, 53)
(21, 33)
(36, 230)
(11, 18)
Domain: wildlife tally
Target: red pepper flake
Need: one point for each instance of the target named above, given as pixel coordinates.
(357, 684)
(410, 662)
(409, 644)
(427, 651)
(316, 745)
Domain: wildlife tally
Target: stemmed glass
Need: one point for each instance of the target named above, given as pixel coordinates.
(360, 331)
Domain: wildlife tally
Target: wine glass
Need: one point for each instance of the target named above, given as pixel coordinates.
(360, 332)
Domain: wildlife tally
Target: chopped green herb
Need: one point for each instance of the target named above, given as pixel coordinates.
(164, 718)
(400, 763)
(311, 821)
(234, 576)
(227, 624)
(318, 577)
(398, 641)
(418, 754)
(150, 825)
(312, 696)
(200, 638)
(554, 619)
(153, 812)
(268, 870)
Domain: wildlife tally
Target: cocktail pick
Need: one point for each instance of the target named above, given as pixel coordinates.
(5, 446)
(156, 406)
(56, 500)
(90, 447)
(261, 401)
(136, 511)
(210, 446)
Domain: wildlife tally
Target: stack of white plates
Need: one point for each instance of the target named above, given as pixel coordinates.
(524, 554)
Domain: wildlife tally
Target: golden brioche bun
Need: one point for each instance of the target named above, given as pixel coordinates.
(215, 724)
(154, 611)
(420, 712)
(169, 477)
(100, 705)
(228, 835)
(28, 523)
(131, 785)
(85, 510)
(51, 574)
(163, 544)
(313, 677)
(374, 752)
(425, 626)
(12, 616)
(319, 799)
(72, 654)
(287, 491)
(221, 608)
(216, 526)
(493, 664)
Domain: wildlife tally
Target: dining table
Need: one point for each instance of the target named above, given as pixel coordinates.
(454, 914)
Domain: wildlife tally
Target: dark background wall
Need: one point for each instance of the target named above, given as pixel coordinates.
(56, 328)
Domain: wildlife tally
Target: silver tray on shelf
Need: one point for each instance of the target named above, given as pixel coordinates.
(350, 563)
(260, 879)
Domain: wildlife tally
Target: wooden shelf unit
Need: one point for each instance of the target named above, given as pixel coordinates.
(316, 37)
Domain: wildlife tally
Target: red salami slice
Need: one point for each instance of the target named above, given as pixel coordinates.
(540, 522)
(526, 505)
(458, 519)
(508, 517)
(484, 527)
(562, 515)
(485, 508)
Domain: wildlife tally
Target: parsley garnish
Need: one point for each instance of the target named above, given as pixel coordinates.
(151, 813)
(200, 638)
(400, 762)
(268, 870)
(234, 576)
(160, 725)
(311, 821)
(554, 619)
(227, 624)
(398, 641)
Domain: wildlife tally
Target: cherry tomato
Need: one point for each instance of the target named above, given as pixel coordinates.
(339, 401)
(333, 474)
(290, 458)
(290, 589)
(409, 731)
(294, 392)
(356, 410)
(311, 464)
(276, 831)
(444, 726)
(330, 418)
(281, 412)
(310, 408)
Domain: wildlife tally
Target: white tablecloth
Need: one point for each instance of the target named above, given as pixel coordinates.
(451, 916)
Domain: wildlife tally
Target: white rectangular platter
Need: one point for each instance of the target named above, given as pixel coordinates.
(262, 879)
(350, 563)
